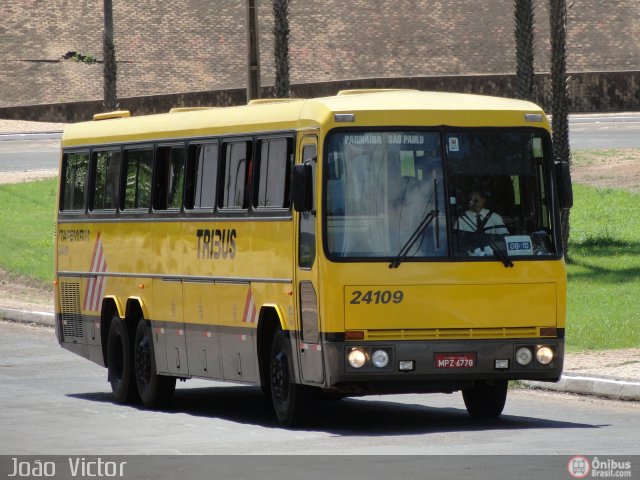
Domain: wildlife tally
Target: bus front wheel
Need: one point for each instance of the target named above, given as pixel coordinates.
(486, 399)
(287, 397)
(120, 365)
(155, 390)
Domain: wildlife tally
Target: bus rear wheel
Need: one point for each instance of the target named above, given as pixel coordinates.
(288, 398)
(155, 390)
(119, 361)
(486, 399)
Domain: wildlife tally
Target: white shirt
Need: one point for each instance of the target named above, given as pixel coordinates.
(469, 222)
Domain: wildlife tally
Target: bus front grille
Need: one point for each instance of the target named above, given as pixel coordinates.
(70, 309)
(452, 333)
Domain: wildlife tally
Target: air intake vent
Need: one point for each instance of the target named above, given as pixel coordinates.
(70, 306)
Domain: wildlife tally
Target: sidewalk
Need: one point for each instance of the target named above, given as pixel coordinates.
(613, 374)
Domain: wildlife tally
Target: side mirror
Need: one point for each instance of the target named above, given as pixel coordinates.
(565, 190)
(302, 187)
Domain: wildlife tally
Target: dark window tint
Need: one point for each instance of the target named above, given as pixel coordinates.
(235, 173)
(202, 176)
(169, 178)
(307, 226)
(273, 174)
(137, 187)
(106, 176)
(75, 167)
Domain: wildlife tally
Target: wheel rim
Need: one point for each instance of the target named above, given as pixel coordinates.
(143, 360)
(280, 376)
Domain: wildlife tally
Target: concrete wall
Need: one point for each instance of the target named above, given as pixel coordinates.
(198, 45)
(590, 92)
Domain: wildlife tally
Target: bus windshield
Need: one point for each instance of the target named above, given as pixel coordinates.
(386, 196)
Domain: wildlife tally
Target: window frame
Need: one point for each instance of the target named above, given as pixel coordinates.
(193, 210)
(62, 182)
(222, 176)
(156, 173)
(123, 179)
(256, 180)
(91, 210)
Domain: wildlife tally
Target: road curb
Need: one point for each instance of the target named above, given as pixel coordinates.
(39, 318)
(13, 136)
(599, 387)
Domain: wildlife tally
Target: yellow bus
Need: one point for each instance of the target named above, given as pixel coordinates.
(376, 241)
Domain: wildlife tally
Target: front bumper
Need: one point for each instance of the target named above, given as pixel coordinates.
(426, 375)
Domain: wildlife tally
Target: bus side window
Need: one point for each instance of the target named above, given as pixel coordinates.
(138, 164)
(201, 176)
(169, 178)
(236, 159)
(106, 176)
(271, 186)
(75, 166)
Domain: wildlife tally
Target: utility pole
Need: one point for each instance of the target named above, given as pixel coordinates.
(253, 51)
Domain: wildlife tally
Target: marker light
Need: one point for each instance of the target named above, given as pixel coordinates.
(357, 358)
(380, 358)
(405, 365)
(544, 355)
(502, 364)
(524, 356)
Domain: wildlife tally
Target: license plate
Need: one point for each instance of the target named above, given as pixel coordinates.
(455, 360)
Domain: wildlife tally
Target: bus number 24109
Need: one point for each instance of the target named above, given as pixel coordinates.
(376, 296)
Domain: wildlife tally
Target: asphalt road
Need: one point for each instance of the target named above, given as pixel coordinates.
(32, 153)
(56, 403)
(35, 152)
(604, 132)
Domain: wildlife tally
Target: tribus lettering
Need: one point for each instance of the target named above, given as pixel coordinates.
(216, 243)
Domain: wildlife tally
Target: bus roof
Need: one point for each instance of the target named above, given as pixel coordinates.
(369, 108)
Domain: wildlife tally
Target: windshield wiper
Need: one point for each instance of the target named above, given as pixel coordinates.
(404, 251)
(502, 256)
(426, 221)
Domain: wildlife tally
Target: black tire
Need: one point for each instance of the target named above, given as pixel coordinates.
(486, 399)
(154, 390)
(288, 398)
(120, 362)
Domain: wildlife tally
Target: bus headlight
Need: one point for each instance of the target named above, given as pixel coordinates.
(380, 358)
(544, 355)
(524, 356)
(357, 358)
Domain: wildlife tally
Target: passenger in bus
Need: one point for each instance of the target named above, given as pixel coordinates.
(478, 218)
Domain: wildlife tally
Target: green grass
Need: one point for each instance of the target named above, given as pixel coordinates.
(604, 271)
(27, 212)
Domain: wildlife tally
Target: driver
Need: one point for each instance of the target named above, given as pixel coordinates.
(479, 219)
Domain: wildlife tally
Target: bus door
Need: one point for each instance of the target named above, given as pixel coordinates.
(309, 345)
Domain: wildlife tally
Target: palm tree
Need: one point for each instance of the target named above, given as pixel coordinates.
(281, 47)
(560, 96)
(109, 53)
(524, 36)
(253, 51)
